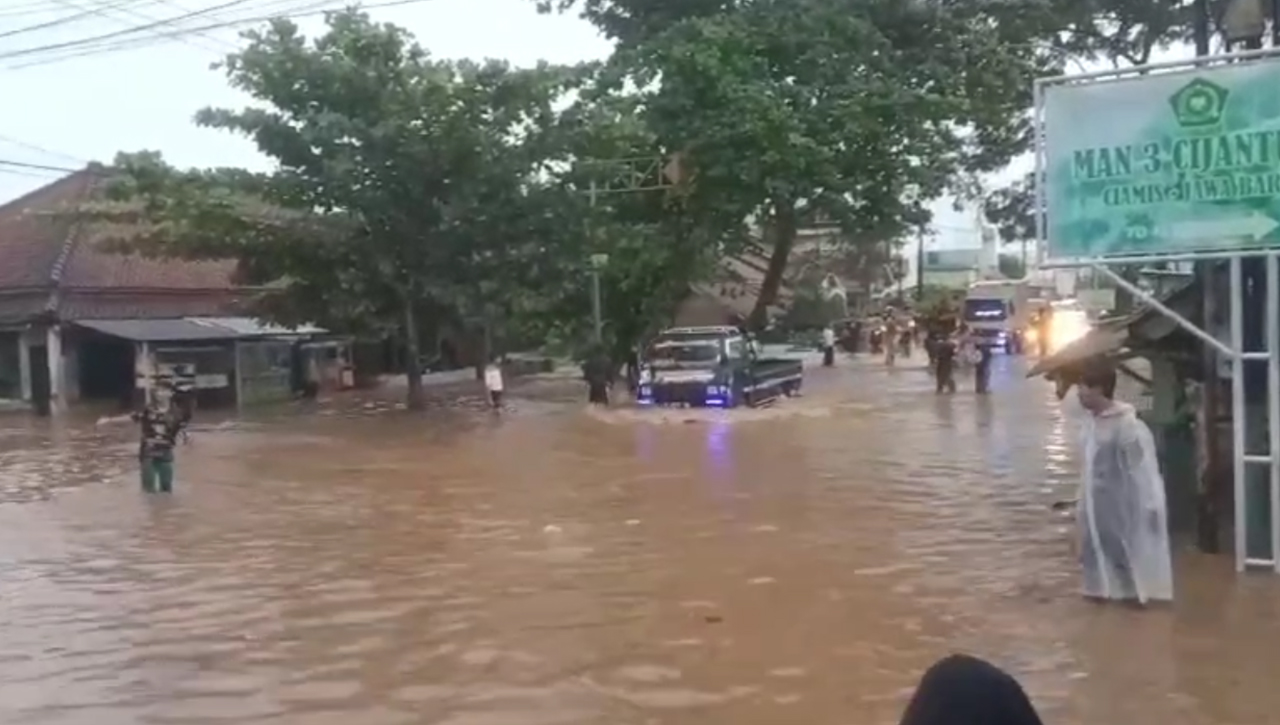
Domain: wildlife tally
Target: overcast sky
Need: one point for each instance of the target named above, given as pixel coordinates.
(86, 102)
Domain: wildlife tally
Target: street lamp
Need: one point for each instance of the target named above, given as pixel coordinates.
(598, 262)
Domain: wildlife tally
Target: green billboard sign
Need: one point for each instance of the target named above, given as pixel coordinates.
(1178, 162)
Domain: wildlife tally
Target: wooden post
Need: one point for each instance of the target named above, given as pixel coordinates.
(239, 381)
(57, 378)
(24, 364)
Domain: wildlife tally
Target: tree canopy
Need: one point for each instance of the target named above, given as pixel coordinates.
(408, 189)
(858, 111)
(402, 183)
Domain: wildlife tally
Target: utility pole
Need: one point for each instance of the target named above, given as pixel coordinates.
(598, 262)
(628, 175)
(1209, 487)
(920, 262)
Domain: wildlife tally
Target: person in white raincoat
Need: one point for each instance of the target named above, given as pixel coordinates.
(1121, 516)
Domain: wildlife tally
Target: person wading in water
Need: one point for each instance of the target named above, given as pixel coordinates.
(1122, 519)
(493, 382)
(890, 337)
(160, 424)
(596, 371)
(943, 350)
(981, 366)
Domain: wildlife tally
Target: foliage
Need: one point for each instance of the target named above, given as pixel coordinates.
(409, 189)
(937, 299)
(858, 110)
(655, 249)
(1012, 266)
(811, 308)
(405, 185)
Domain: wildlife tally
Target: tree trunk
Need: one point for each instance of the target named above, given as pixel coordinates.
(784, 240)
(485, 338)
(412, 372)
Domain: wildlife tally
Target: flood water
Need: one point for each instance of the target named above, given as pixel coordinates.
(357, 564)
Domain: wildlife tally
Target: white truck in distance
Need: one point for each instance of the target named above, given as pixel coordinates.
(998, 311)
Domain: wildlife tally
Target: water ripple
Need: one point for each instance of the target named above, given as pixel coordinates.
(554, 565)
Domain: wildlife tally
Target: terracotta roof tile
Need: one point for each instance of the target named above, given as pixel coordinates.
(42, 251)
(31, 241)
(91, 267)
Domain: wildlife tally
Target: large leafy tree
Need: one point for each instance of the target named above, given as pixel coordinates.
(863, 110)
(630, 213)
(404, 185)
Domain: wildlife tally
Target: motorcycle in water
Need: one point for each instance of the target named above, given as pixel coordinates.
(875, 340)
(905, 341)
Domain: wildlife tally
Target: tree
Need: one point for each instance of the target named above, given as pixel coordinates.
(656, 249)
(1011, 266)
(404, 184)
(862, 109)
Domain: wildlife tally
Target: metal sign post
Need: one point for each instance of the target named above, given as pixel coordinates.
(1178, 162)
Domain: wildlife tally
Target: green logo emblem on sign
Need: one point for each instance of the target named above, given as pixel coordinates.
(1199, 103)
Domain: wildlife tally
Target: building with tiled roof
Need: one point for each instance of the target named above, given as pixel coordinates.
(55, 274)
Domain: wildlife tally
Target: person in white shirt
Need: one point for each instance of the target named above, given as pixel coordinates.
(493, 382)
(828, 346)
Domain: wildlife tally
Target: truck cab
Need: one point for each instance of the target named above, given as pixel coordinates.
(718, 367)
(998, 312)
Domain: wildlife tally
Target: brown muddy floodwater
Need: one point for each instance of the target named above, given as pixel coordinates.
(800, 565)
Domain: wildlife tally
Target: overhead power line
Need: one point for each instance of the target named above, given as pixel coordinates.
(121, 40)
(154, 34)
(41, 149)
(31, 8)
(207, 43)
(118, 33)
(64, 20)
(38, 167)
(28, 174)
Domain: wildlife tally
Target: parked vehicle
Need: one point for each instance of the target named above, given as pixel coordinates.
(716, 367)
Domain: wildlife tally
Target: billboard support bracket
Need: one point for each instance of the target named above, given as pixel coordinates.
(1155, 304)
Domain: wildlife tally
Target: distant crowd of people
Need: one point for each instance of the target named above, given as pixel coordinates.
(949, 343)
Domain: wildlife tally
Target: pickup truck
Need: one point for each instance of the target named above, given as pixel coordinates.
(714, 367)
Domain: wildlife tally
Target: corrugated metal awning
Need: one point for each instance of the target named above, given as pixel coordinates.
(171, 330)
(250, 327)
(187, 329)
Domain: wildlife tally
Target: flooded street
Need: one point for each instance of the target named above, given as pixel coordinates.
(553, 565)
